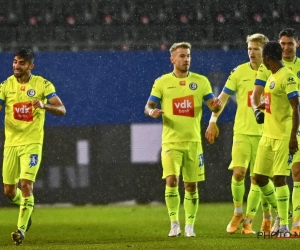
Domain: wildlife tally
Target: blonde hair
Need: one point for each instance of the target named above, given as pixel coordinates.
(184, 45)
(258, 38)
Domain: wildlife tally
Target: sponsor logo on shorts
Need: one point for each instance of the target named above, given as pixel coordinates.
(29, 173)
(184, 106)
(33, 160)
(201, 160)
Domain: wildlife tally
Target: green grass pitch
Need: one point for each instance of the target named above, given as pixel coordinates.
(130, 227)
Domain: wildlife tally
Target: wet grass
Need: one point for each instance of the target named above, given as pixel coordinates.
(130, 227)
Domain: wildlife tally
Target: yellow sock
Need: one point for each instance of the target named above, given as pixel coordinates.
(296, 200)
(238, 191)
(172, 199)
(17, 199)
(26, 207)
(191, 204)
(253, 201)
(283, 201)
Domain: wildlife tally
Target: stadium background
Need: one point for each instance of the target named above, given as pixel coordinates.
(103, 57)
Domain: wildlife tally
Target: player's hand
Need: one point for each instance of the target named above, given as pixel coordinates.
(216, 104)
(261, 106)
(155, 113)
(38, 104)
(259, 116)
(212, 132)
(293, 145)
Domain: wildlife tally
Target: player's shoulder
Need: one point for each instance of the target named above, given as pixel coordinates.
(197, 76)
(41, 80)
(163, 77)
(239, 68)
(288, 75)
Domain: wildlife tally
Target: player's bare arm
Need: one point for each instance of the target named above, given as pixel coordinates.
(55, 106)
(256, 103)
(214, 104)
(212, 130)
(151, 110)
(293, 145)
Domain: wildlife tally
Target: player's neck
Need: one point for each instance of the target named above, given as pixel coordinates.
(276, 66)
(180, 74)
(255, 65)
(24, 79)
(289, 59)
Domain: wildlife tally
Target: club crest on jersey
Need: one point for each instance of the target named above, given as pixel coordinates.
(193, 86)
(298, 74)
(33, 160)
(272, 85)
(31, 92)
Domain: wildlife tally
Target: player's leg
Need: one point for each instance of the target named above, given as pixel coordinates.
(193, 171)
(241, 155)
(253, 198)
(171, 163)
(191, 204)
(30, 158)
(266, 224)
(253, 201)
(282, 166)
(296, 194)
(263, 170)
(11, 175)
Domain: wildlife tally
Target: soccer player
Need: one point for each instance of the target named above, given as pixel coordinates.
(247, 134)
(289, 41)
(279, 140)
(25, 97)
(180, 94)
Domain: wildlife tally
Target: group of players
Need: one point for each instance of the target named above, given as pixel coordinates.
(265, 133)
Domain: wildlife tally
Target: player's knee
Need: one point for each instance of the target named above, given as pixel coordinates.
(261, 180)
(279, 180)
(190, 186)
(239, 174)
(296, 173)
(172, 181)
(10, 193)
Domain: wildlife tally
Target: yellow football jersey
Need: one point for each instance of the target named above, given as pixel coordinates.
(280, 87)
(23, 123)
(263, 73)
(181, 100)
(240, 82)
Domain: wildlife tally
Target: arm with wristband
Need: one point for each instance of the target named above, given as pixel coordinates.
(212, 130)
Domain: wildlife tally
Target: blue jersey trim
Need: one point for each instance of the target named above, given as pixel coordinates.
(260, 82)
(2, 102)
(154, 98)
(293, 94)
(51, 95)
(209, 96)
(228, 91)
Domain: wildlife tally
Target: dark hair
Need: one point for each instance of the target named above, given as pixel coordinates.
(289, 32)
(273, 50)
(26, 54)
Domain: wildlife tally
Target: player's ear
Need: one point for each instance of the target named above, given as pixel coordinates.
(172, 59)
(31, 66)
(298, 43)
